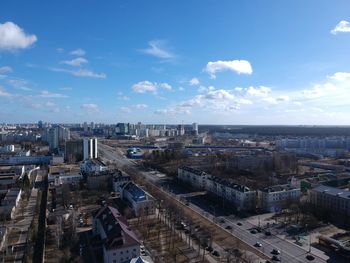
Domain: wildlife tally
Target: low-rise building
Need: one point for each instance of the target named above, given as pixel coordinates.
(196, 178)
(10, 202)
(241, 196)
(331, 199)
(141, 202)
(119, 179)
(277, 197)
(90, 166)
(3, 240)
(119, 243)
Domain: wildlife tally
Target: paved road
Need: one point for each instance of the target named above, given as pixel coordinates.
(289, 252)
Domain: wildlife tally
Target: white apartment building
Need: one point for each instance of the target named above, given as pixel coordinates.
(241, 196)
(196, 178)
(277, 197)
(90, 148)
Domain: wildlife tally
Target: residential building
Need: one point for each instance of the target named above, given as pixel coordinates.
(331, 199)
(74, 151)
(195, 129)
(120, 179)
(277, 197)
(119, 243)
(241, 196)
(90, 148)
(91, 166)
(196, 178)
(140, 201)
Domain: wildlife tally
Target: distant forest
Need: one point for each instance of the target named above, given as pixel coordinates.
(279, 130)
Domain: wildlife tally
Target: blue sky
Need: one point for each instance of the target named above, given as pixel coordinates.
(205, 61)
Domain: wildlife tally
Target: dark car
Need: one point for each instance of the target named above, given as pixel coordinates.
(253, 231)
(239, 223)
(268, 233)
(257, 244)
(215, 253)
(310, 257)
(228, 227)
(222, 221)
(275, 252)
(275, 258)
(209, 248)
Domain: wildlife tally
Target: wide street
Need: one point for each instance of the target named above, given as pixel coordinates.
(289, 251)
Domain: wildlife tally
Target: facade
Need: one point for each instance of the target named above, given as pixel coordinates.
(241, 196)
(331, 199)
(119, 179)
(73, 178)
(141, 202)
(74, 151)
(10, 203)
(277, 197)
(196, 178)
(90, 148)
(119, 243)
(195, 129)
(91, 166)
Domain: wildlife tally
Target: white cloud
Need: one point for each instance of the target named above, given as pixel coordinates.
(147, 86)
(194, 82)
(270, 100)
(91, 107)
(81, 73)
(47, 94)
(59, 50)
(13, 37)
(76, 62)
(140, 106)
(283, 98)
(319, 90)
(5, 70)
(261, 91)
(165, 86)
(78, 52)
(340, 76)
(125, 109)
(19, 84)
(237, 66)
(181, 89)
(342, 26)
(157, 49)
(4, 93)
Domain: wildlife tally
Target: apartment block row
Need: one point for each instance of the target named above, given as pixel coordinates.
(271, 199)
(331, 199)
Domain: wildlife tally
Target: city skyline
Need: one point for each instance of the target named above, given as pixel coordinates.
(239, 62)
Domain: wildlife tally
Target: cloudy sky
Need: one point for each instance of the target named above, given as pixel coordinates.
(156, 61)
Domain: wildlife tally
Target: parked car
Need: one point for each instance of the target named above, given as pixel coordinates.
(257, 244)
(215, 253)
(275, 251)
(275, 258)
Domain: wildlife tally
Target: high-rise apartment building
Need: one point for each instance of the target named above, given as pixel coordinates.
(74, 151)
(90, 148)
